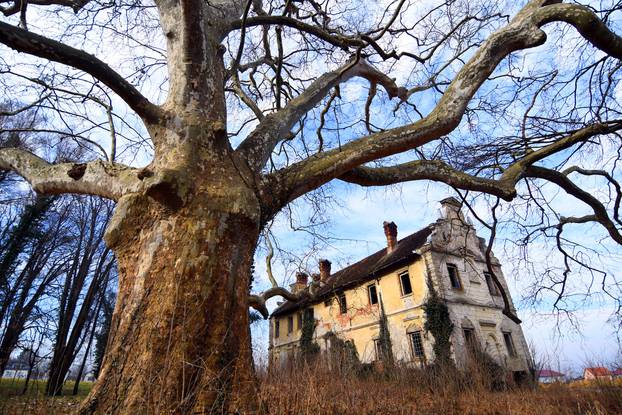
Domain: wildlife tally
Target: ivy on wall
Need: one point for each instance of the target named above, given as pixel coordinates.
(438, 323)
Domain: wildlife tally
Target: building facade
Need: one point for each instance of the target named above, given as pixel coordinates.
(450, 256)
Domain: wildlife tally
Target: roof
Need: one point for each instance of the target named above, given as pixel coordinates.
(547, 373)
(617, 372)
(598, 371)
(364, 270)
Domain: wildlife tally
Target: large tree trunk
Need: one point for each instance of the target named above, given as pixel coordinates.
(179, 341)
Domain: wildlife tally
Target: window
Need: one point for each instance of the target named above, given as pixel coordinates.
(417, 345)
(300, 320)
(372, 293)
(454, 279)
(509, 343)
(290, 324)
(277, 328)
(492, 286)
(343, 306)
(405, 283)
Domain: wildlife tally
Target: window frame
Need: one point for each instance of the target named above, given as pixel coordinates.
(369, 293)
(299, 320)
(412, 335)
(277, 328)
(343, 303)
(448, 266)
(493, 289)
(410, 286)
(509, 345)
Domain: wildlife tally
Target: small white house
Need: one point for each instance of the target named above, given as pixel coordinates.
(16, 370)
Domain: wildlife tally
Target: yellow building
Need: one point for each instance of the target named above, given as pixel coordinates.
(450, 254)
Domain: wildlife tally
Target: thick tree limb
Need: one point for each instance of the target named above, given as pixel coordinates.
(24, 41)
(439, 171)
(256, 149)
(95, 178)
(75, 5)
(434, 170)
(258, 301)
(587, 23)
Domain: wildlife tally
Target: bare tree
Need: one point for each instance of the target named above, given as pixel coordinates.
(245, 132)
(87, 275)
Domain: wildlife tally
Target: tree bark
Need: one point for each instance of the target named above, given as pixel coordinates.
(179, 341)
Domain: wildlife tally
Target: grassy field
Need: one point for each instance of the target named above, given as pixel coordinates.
(34, 402)
(323, 392)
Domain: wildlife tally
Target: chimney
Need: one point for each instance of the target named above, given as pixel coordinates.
(390, 231)
(452, 208)
(302, 278)
(324, 269)
(301, 282)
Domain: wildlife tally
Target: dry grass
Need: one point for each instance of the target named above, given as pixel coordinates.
(316, 391)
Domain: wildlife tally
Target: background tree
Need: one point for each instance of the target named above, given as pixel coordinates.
(248, 118)
(86, 279)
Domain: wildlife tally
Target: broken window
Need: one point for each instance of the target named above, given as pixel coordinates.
(492, 286)
(290, 324)
(454, 279)
(509, 343)
(416, 344)
(277, 327)
(405, 283)
(373, 294)
(343, 307)
(300, 320)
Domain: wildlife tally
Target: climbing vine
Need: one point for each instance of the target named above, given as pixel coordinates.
(384, 339)
(438, 323)
(308, 347)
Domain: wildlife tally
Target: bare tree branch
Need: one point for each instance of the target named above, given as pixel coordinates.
(520, 33)
(560, 179)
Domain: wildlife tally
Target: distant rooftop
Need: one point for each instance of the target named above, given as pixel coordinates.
(598, 371)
